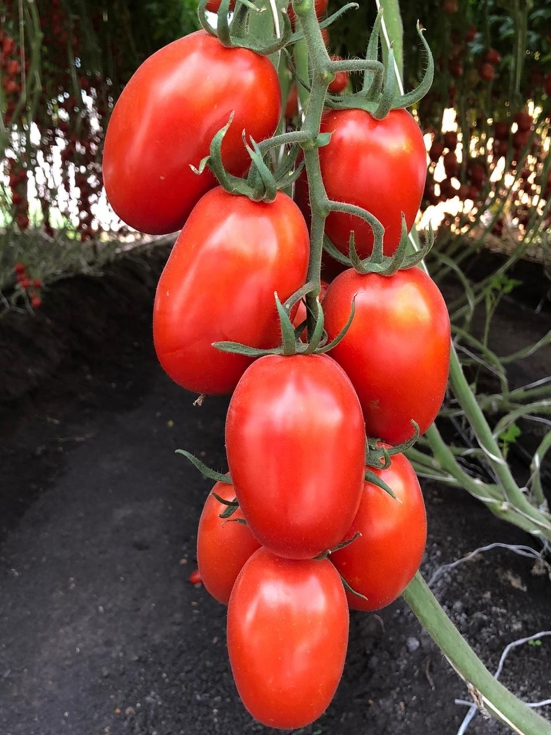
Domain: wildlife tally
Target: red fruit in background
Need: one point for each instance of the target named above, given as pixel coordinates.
(195, 577)
(493, 57)
(471, 33)
(20, 268)
(436, 150)
(291, 106)
(340, 81)
(521, 138)
(36, 301)
(487, 72)
(382, 561)
(455, 68)
(501, 130)
(501, 148)
(223, 544)
(447, 189)
(477, 172)
(450, 140)
(450, 7)
(320, 6)
(214, 5)
(25, 282)
(463, 192)
(524, 121)
(451, 165)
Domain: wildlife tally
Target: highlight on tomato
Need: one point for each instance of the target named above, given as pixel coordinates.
(397, 349)
(166, 117)
(223, 544)
(219, 282)
(287, 638)
(295, 443)
(392, 533)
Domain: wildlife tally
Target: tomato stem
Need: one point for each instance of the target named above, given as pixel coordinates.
(489, 694)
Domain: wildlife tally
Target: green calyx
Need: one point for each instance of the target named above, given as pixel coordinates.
(378, 262)
(253, 26)
(261, 185)
(291, 343)
(380, 93)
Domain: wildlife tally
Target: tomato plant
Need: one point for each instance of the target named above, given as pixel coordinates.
(379, 165)
(166, 118)
(287, 638)
(295, 443)
(219, 283)
(396, 351)
(381, 562)
(223, 544)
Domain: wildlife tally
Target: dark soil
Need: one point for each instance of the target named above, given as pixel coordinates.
(101, 631)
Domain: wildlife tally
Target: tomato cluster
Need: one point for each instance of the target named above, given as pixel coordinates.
(320, 511)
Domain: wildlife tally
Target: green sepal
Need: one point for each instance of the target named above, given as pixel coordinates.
(221, 500)
(299, 35)
(343, 331)
(389, 89)
(376, 480)
(338, 547)
(204, 470)
(350, 589)
(315, 340)
(237, 520)
(411, 98)
(236, 348)
(335, 253)
(372, 83)
(287, 329)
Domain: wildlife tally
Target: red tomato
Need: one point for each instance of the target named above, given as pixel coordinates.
(381, 562)
(223, 545)
(396, 351)
(379, 165)
(166, 118)
(340, 81)
(219, 283)
(295, 443)
(287, 638)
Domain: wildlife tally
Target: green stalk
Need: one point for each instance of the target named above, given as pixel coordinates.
(493, 696)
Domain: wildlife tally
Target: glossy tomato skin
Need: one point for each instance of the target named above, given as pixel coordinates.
(295, 443)
(379, 165)
(381, 562)
(287, 638)
(222, 546)
(219, 282)
(166, 117)
(396, 351)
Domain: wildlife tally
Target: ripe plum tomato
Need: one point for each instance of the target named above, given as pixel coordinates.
(295, 443)
(379, 165)
(287, 638)
(219, 283)
(381, 562)
(222, 546)
(396, 351)
(166, 117)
